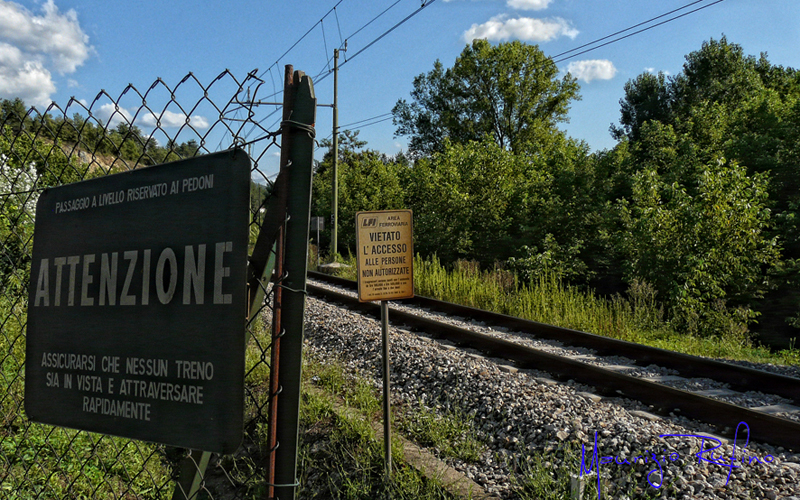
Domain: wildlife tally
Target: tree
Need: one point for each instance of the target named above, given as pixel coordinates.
(367, 181)
(724, 104)
(14, 114)
(349, 144)
(703, 242)
(475, 201)
(717, 73)
(27, 165)
(647, 97)
(510, 92)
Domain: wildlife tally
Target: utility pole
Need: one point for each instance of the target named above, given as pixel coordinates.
(335, 173)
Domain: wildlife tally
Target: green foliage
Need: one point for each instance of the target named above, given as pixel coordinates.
(452, 434)
(724, 104)
(509, 92)
(63, 463)
(717, 73)
(340, 456)
(637, 317)
(14, 114)
(480, 201)
(647, 98)
(41, 461)
(335, 379)
(554, 259)
(545, 299)
(27, 165)
(472, 201)
(90, 135)
(702, 243)
(368, 180)
(548, 476)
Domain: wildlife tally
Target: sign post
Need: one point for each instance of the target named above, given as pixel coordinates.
(137, 303)
(318, 223)
(384, 241)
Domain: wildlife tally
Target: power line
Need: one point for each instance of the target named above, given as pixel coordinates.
(371, 21)
(374, 41)
(324, 74)
(389, 114)
(553, 58)
(378, 119)
(563, 56)
(301, 38)
(375, 122)
(626, 29)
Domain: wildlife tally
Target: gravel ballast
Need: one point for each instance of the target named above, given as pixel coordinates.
(520, 412)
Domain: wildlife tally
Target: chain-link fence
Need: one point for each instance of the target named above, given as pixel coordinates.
(40, 149)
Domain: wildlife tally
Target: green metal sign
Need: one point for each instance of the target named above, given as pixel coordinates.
(137, 304)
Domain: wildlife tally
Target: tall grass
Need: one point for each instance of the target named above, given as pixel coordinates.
(340, 456)
(546, 299)
(42, 461)
(636, 317)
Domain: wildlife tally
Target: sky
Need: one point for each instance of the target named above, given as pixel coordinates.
(55, 50)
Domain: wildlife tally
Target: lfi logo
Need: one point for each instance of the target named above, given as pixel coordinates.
(370, 222)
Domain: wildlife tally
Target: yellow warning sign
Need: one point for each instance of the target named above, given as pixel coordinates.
(385, 255)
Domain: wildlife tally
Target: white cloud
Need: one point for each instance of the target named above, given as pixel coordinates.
(172, 119)
(526, 29)
(34, 44)
(28, 80)
(653, 71)
(595, 69)
(528, 4)
(114, 115)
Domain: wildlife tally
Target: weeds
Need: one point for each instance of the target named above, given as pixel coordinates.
(339, 455)
(637, 317)
(452, 434)
(41, 461)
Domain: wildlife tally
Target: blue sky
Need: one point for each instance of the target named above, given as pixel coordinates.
(57, 49)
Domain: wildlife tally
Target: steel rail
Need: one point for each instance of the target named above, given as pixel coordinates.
(725, 416)
(741, 378)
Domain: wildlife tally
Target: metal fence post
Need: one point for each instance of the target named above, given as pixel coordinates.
(298, 144)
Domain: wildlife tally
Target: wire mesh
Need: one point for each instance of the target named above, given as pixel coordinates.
(86, 140)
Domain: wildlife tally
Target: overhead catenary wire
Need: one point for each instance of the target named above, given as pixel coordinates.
(378, 119)
(555, 59)
(389, 114)
(627, 29)
(387, 9)
(324, 39)
(323, 74)
(561, 57)
(558, 57)
(319, 78)
(301, 38)
(338, 27)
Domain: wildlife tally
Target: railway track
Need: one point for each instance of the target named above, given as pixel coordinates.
(776, 424)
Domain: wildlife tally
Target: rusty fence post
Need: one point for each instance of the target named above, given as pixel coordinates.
(297, 144)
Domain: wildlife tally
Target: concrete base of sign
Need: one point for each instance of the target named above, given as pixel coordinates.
(332, 267)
